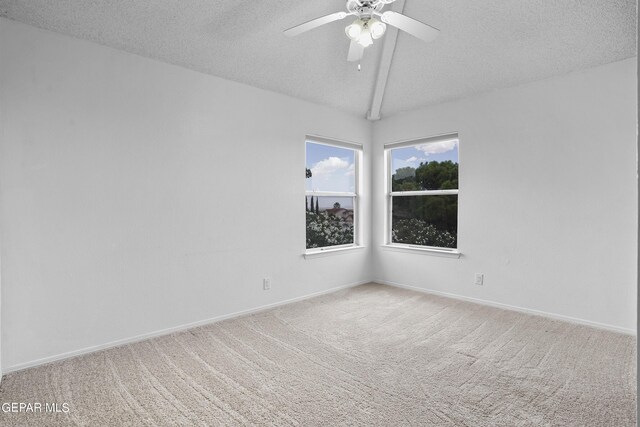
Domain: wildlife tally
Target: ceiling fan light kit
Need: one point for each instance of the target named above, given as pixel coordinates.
(364, 32)
(354, 30)
(367, 28)
(377, 28)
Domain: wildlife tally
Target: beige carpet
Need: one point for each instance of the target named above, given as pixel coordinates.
(371, 355)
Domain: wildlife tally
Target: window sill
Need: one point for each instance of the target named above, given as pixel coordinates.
(318, 253)
(425, 251)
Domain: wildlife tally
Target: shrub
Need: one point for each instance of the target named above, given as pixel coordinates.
(417, 232)
(327, 230)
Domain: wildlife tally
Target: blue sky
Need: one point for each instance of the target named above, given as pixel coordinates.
(333, 168)
(435, 151)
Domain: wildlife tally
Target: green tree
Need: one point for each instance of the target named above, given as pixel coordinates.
(426, 220)
(404, 179)
(405, 172)
(439, 211)
(427, 176)
(437, 175)
(406, 186)
(317, 208)
(308, 173)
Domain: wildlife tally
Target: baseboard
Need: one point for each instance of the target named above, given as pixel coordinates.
(167, 331)
(512, 308)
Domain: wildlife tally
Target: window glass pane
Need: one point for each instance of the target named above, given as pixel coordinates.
(330, 168)
(425, 220)
(329, 221)
(432, 166)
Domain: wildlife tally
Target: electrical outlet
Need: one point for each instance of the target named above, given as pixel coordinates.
(479, 279)
(266, 284)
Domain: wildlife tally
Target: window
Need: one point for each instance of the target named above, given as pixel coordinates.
(331, 200)
(422, 193)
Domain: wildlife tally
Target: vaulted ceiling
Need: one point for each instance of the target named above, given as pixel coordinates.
(483, 45)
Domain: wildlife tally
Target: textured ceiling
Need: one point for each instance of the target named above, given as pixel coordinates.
(483, 45)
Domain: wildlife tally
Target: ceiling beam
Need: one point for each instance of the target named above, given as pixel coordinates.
(388, 49)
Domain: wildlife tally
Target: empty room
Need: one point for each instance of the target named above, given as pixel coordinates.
(467, 250)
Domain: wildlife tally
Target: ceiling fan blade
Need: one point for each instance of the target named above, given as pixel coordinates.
(314, 23)
(356, 51)
(416, 28)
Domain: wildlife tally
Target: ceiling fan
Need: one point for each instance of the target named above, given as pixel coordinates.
(367, 27)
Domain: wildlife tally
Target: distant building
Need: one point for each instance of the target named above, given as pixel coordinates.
(345, 214)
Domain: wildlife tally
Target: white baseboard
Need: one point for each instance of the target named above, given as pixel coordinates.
(130, 340)
(167, 331)
(570, 319)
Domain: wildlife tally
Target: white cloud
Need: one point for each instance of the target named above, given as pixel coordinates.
(351, 170)
(414, 159)
(325, 168)
(438, 147)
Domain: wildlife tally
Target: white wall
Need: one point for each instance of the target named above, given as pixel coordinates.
(137, 196)
(548, 196)
(2, 108)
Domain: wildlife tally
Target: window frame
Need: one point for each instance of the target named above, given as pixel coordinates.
(390, 194)
(356, 195)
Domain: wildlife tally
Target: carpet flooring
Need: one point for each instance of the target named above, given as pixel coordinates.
(366, 356)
